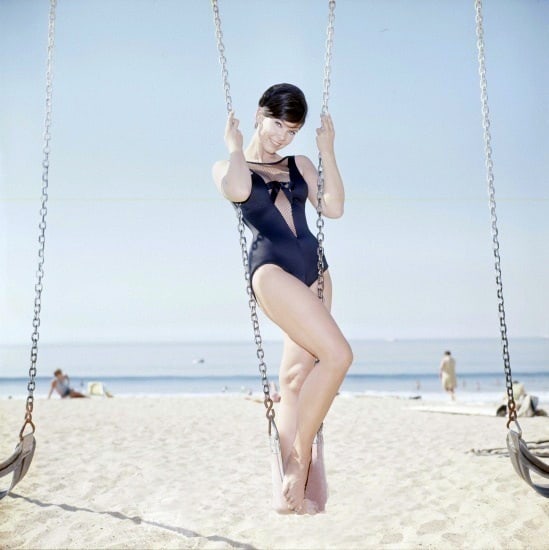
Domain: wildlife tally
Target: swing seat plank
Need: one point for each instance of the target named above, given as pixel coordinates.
(525, 462)
(18, 463)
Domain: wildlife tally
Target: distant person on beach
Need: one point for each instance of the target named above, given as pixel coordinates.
(272, 191)
(273, 391)
(447, 373)
(61, 384)
(526, 404)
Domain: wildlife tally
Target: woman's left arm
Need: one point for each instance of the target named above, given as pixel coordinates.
(333, 197)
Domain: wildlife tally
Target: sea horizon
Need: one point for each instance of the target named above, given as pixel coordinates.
(480, 387)
(402, 367)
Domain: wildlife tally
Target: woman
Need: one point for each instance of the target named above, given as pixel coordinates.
(62, 385)
(272, 191)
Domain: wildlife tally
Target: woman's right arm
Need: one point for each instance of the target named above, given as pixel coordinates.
(232, 176)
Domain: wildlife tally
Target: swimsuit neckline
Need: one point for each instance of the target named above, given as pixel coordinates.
(268, 163)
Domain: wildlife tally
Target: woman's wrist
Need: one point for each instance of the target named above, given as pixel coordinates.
(327, 155)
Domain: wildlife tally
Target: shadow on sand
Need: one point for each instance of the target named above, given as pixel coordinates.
(138, 521)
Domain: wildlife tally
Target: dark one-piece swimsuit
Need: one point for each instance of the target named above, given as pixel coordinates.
(275, 214)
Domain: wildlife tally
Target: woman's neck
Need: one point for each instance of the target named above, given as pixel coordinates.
(256, 153)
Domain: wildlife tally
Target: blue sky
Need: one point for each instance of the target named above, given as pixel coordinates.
(142, 248)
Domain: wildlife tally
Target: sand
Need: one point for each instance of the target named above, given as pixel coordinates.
(194, 472)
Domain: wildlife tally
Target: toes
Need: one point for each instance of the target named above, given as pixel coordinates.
(293, 504)
(308, 507)
(285, 490)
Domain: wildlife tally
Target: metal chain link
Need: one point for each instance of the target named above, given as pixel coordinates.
(222, 58)
(38, 287)
(511, 405)
(268, 402)
(328, 58)
(252, 304)
(320, 180)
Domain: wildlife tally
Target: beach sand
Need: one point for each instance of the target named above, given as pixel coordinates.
(194, 472)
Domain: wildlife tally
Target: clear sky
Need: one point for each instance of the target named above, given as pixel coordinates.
(140, 246)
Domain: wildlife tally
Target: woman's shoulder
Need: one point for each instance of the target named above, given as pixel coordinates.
(304, 165)
(302, 160)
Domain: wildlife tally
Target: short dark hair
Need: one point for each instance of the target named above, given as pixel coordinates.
(57, 371)
(447, 353)
(285, 102)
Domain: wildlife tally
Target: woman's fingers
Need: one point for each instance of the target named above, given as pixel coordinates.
(326, 123)
(325, 135)
(232, 122)
(233, 136)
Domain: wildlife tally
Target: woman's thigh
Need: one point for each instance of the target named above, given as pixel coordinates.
(296, 309)
(297, 362)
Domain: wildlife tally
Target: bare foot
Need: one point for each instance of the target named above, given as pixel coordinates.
(308, 507)
(316, 489)
(295, 477)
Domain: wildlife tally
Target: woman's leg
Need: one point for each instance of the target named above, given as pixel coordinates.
(295, 366)
(308, 323)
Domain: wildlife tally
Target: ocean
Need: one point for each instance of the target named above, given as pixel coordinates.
(404, 368)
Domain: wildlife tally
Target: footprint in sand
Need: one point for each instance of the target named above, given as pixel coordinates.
(392, 538)
(454, 538)
(434, 526)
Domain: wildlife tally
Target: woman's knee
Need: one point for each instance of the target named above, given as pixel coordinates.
(339, 355)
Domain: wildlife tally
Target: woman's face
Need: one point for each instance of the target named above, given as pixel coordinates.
(275, 134)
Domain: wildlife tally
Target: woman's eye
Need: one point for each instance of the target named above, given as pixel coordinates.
(279, 124)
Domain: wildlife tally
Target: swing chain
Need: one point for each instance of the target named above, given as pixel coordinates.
(252, 304)
(328, 58)
(511, 405)
(320, 180)
(222, 58)
(31, 386)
